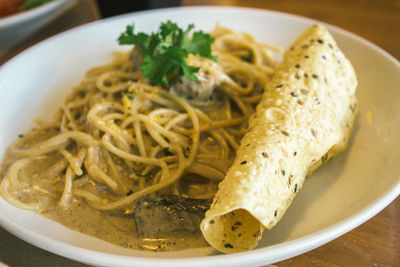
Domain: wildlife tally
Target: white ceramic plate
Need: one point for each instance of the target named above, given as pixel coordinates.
(16, 28)
(30, 15)
(337, 198)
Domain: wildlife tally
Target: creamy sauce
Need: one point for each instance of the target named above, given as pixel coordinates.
(42, 185)
(114, 227)
(169, 224)
(117, 227)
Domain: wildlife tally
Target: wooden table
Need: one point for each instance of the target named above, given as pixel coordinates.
(376, 242)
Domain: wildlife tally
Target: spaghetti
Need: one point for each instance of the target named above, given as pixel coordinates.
(118, 138)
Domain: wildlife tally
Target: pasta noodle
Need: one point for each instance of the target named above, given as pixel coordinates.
(118, 138)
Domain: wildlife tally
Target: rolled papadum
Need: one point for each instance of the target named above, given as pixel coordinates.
(304, 118)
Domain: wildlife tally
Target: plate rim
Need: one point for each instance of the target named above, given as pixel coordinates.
(208, 7)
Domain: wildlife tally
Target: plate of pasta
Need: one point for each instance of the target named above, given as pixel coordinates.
(14, 13)
(183, 135)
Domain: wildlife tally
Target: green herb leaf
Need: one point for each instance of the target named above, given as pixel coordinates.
(130, 96)
(29, 4)
(165, 51)
(139, 174)
(200, 44)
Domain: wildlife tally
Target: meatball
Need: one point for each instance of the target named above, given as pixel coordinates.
(199, 92)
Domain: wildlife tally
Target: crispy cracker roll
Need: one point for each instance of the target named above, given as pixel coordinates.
(304, 118)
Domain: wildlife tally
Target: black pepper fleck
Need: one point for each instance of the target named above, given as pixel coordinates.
(295, 188)
(305, 75)
(315, 76)
(257, 234)
(227, 245)
(236, 225)
(320, 41)
(265, 155)
(276, 213)
(243, 162)
(212, 222)
(293, 94)
(294, 153)
(306, 56)
(283, 172)
(313, 132)
(279, 85)
(297, 66)
(285, 133)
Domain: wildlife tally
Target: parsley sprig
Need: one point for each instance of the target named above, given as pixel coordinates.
(165, 51)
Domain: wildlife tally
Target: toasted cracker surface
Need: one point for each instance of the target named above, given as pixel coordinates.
(304, 118)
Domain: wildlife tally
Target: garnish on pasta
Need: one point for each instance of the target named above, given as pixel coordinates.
(166, 50)
(135, 163)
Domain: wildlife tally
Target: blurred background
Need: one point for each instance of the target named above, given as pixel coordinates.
(360, 16)
(111, 8)
(376, 20)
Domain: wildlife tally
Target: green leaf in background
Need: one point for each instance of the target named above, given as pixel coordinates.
(29, 4)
